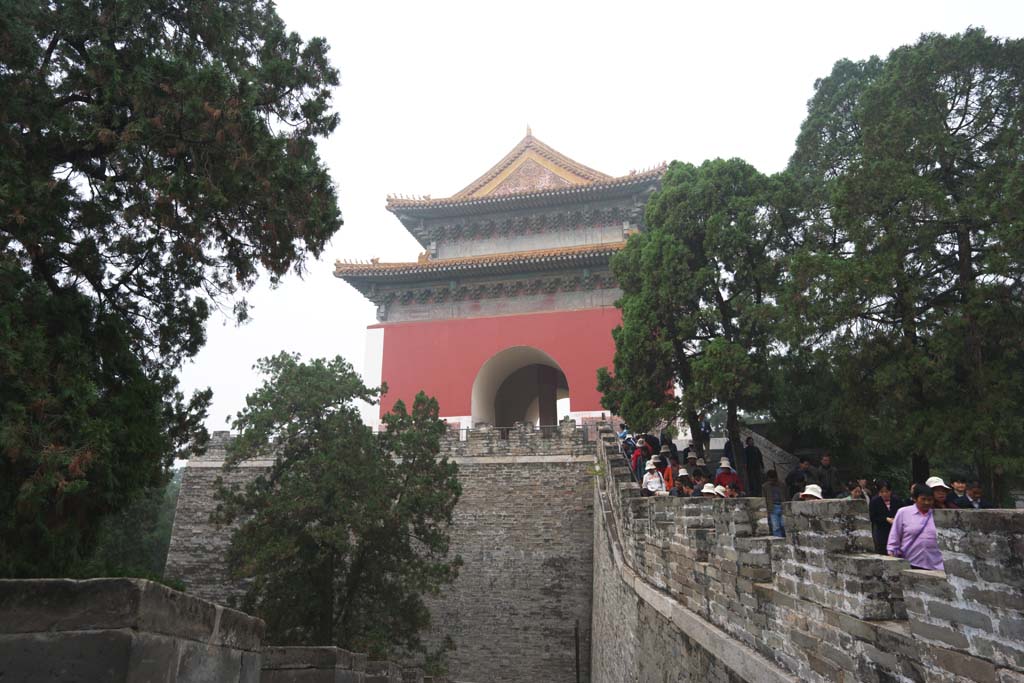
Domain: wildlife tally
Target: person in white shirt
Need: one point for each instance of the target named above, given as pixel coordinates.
(654, 483)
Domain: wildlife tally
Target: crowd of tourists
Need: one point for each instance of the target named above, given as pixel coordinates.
(900, 527)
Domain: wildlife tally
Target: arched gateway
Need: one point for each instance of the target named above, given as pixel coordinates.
(514, 275)
(519, 384)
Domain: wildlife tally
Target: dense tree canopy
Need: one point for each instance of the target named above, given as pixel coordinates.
(155, 157)
(878, 280)
(349, 529)
(907, 275)
(698, 295)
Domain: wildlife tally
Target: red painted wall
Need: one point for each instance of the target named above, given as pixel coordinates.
(443, 357)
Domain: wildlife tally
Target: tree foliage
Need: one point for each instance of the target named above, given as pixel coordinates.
(907, 274)
(874, 291)
(349, 529)
(134, 541)
(698, 295)
(155, 157)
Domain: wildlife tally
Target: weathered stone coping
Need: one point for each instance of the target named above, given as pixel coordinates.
(746, 663)
(295, 657)
(219, 464)
(56, 605)
(522, 459)
(459, 460)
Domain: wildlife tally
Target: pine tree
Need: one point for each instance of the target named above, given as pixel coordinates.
(155, 157)
(349, 529)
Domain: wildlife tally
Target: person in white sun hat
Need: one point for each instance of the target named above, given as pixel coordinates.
(727, 476)
(940, 492)
(811, 492)
(654, 483)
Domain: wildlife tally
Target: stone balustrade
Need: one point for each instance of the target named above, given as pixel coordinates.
(818, 605)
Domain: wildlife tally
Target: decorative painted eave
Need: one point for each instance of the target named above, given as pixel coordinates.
(364, 274)
(531, 175)
(433, 208)
(529, 151)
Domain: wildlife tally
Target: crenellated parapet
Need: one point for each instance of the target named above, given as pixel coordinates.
(567, 439)
(818, 605)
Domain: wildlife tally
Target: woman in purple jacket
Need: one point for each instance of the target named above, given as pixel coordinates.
(913, 534)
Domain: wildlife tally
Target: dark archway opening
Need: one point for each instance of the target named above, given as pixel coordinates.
(530, 395)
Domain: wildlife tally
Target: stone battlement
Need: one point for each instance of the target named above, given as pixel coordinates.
(521, 440)
(817, 605)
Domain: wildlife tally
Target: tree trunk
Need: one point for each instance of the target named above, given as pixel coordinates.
(920, 468)
(693, 421)
(325, 626)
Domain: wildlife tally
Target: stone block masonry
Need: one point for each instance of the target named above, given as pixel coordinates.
(312, 665)
(124, 631)
(136, 631)
(523, 528)
(197, 551)
(694, 589)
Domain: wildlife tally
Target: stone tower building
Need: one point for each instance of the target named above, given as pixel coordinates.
(512, 263)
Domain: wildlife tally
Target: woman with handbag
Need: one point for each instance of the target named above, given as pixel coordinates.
(913, 534)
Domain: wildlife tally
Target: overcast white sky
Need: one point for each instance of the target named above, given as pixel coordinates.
(434, 93)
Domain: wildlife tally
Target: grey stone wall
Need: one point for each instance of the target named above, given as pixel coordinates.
(523, 528)
(136, 631)
(312, 665)
(125, 630)
(198, 548)
(814, 606)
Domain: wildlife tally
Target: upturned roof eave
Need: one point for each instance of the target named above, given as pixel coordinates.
(364, 276)
(439, 208)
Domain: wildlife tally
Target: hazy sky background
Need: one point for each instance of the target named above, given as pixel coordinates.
(434, 93)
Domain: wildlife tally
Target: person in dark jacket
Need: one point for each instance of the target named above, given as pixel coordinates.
(727, 452)
(828, 478)
(755, 466)
(959, 484)
(973, 500)
(654, 442)
(705, 432)
(882, 510)
(798, 478)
